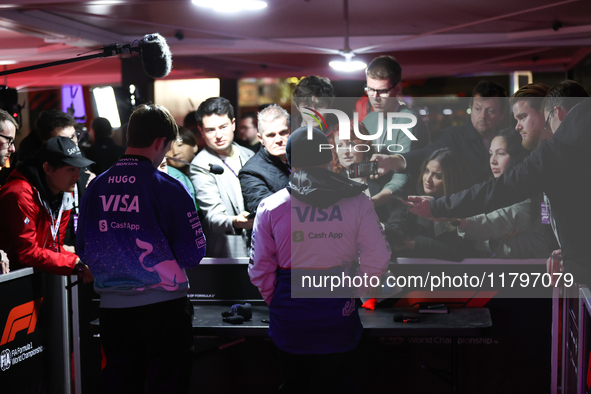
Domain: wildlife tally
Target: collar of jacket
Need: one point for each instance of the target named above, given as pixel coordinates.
(277, 162)
(322, 188)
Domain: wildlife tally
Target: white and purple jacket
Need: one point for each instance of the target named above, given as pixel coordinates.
(137, 232)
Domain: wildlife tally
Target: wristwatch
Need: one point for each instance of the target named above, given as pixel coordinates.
(455, 222)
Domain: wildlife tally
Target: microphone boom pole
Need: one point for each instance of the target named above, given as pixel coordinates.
(108, 50)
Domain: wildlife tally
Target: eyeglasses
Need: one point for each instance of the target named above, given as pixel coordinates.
(551, 114)
(9, 139)
(379, 92)
(75, 136)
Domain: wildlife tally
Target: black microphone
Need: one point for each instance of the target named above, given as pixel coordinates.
(153, 50)
(156, 56)
(213, 168)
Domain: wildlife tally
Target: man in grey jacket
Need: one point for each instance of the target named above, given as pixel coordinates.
(219, 195)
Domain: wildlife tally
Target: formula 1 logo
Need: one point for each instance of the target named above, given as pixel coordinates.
(22, 317)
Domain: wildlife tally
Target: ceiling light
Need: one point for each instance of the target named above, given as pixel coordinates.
(231, 5)
(7, 62)
(347, 65)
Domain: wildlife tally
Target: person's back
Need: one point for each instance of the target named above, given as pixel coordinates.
(322, 225)
(138, 231)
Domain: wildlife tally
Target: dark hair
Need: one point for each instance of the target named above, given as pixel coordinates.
(455, 174)
(149, 122)
(249, 114)
(319, 87)
(385, 67)
(5, 116)
(187, 136)
(489, 89)
(102, 128)
(214, 106)
(50, 120)
(191, 120)
(517, 153)
(565, 94)
(532, 93)
(335, 164)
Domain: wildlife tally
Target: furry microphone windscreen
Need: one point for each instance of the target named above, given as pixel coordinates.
(155, 55)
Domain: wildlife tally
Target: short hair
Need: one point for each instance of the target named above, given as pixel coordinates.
(147, 123)
(385, 67)
(50, 120)
(5, 116)
(486, 88)
(102, 127)
(270, 114)
(250, 114)
(190, 120)
(532, 93)
(316, 86)
(335, 164)
(517, 153)
(187, 136)
(455, 174)
(214, 106)
(565, 94)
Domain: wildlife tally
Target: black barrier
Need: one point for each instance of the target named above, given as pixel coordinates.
(32, 356)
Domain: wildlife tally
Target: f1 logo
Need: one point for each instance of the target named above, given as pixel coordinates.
(20, 318)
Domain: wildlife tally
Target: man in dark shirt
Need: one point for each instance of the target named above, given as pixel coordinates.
(267, 172)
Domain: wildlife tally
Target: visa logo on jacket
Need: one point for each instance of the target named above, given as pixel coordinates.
(120, 203)
(318, 214)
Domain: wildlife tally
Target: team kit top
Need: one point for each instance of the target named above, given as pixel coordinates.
(137, 232)
(292, 235)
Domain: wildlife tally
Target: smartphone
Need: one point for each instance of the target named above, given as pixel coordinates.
(363, 169)
(251, 215)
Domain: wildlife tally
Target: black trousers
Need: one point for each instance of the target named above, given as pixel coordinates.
(148, 349)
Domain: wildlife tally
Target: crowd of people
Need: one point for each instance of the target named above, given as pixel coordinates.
(477, 190)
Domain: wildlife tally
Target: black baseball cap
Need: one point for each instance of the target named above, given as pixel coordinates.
(303, 152)
(65, 150)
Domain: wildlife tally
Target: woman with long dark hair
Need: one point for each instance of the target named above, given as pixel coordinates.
(517, 231)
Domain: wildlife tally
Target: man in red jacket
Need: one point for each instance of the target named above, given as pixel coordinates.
(35, 206)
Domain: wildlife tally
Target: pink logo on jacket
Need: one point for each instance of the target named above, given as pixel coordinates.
(170, 273)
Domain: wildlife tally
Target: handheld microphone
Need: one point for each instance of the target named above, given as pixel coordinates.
(213, 168)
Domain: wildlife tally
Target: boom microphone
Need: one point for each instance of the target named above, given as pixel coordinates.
(213, 168)
(153, 50)
(155, 55)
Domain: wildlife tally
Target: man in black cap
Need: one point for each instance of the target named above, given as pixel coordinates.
(326, 227)
(36, 203)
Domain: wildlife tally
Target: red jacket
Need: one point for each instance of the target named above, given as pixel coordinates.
(25, 233)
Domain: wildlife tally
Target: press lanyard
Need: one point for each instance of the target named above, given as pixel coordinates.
(230, 168)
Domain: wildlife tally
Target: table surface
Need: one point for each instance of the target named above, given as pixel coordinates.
(379, 322)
